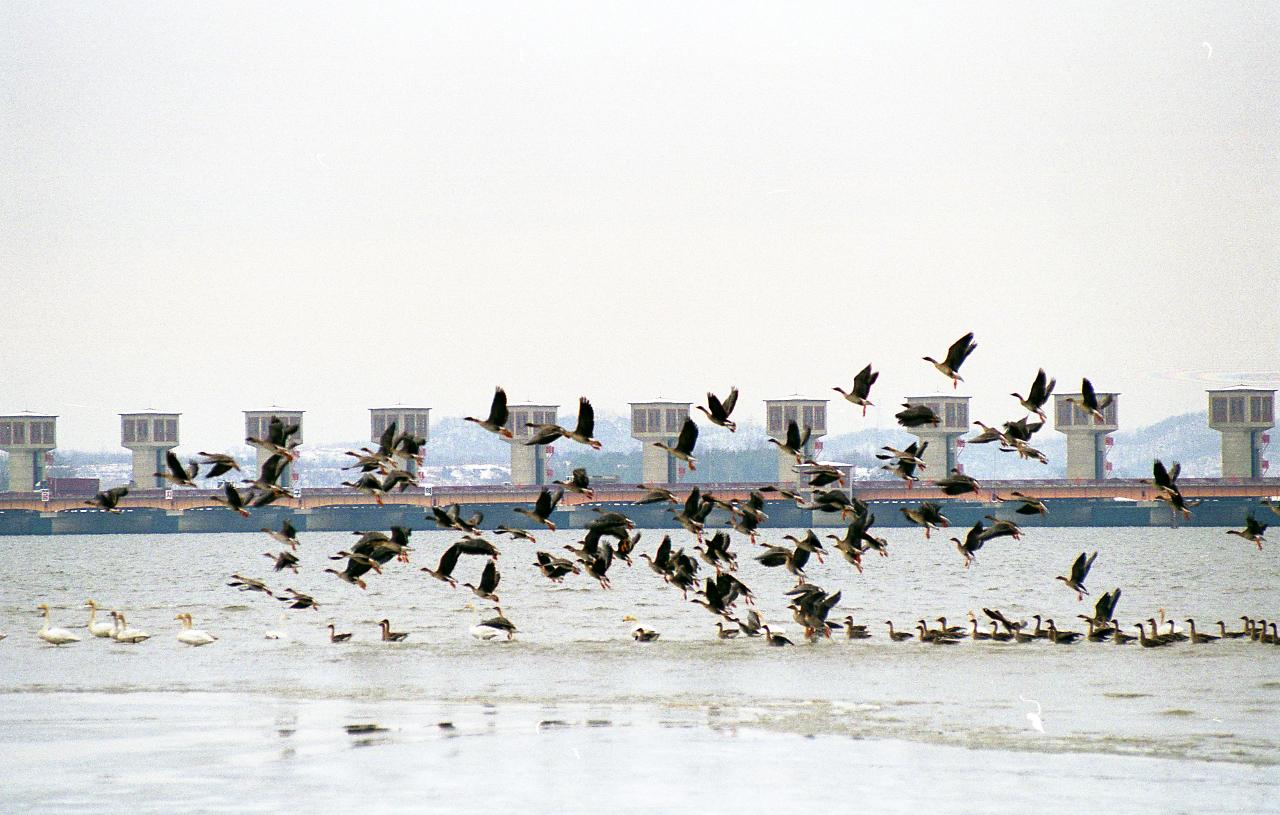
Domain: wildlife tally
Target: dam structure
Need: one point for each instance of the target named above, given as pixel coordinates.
(1088, 496)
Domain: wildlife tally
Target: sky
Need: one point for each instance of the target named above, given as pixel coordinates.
(211, 207)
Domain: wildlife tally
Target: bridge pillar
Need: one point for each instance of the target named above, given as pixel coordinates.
(811, 413)
(1243, 416)
(149, 434)
(1088, 440)
(256, 424)
(28, 438)
(658, 421)
(943, 453)
(528, 462)
(415, 420)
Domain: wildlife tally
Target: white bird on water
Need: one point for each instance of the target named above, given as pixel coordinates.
(55, 636)
(193, 636)
(96, 628)
(281, 633)
(123, 633)
(1034, 719)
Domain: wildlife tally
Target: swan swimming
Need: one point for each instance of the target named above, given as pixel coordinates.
(281, 633)
(96, 628)
(193, 636)
(123, 633)
(55, 636)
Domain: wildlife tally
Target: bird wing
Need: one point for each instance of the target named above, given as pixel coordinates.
(449, 559)
(730, 402)
(960, 351)
(863, 381)
(793, 435)
(553, 500)
(586, 418)
(715, 408)
(1087, 396)
(489, 578)
(688, 436)
(1087, 566)
(498, 409)
(542, 507)
(387, 441)
(176, 469)
(1077, 568)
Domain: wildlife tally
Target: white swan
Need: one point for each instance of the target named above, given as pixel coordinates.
(123, 633)
(96, 628)
(281, 633)
(56, 636)
(193, 636)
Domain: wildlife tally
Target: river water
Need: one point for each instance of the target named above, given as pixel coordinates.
(573, 716)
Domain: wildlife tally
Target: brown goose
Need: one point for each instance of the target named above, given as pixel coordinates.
(928, 514)
(644, 635)
(1252, 531)
(1199, 639)
(498, 415)
(107, 499)
(175, 473)
(1090, 403)
(219, 464)
(657, 495)
(795, 441)
(578, 482)
(542, 508)
(286, 535)
(499, 622)
(916, 416)
(231, 499)
(861, 388)
(515, 532)
(1041, 390)
(684, 444)
(583, 431)
(897, 636)
(1061, 637)
(718, 412)
(1149, 642)
(957, 483)
(1079, 571)
(334, 636)
(956, 355)
(1230, 635)
(283, 560)
(1029, 505)
(391, 636)
(775, 640)
(489, 580)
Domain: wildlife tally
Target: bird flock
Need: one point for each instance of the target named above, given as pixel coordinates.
(704, 572)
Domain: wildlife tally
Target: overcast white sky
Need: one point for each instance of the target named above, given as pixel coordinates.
(211, 207)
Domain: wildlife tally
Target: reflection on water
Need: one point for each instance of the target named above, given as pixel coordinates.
(577, 716)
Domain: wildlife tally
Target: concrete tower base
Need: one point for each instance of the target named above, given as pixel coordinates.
(1086, 456)
(656, 465)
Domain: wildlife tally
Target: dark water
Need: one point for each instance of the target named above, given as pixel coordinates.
(574, 716)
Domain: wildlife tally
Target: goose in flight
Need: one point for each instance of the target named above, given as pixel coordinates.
(498, 415)
(1038, 396)
(861, 389)
(718, 412)
(956, 355)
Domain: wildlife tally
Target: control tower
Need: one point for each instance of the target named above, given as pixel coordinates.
(1087, 438)
(811, 413)
(256, 424)
(27, 438)
(415, 420)
(1243, 416)
(942, 455)
(656, 421)
(528, 462)
(149, 434)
